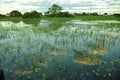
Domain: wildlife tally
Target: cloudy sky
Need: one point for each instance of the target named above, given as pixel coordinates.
(100, 6)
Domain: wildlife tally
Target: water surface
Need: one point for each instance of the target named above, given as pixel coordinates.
(60, 50)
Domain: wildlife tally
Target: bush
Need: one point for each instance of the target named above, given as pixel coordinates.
(60, 14)
(15, 13)
(117, 15)
(1, 15)
(32, 14)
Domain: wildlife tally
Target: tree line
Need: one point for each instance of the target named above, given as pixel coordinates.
(54, 11)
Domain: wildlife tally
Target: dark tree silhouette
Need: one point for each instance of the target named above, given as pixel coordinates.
(54, 9)
(32, 14)
(116, 14)
(15, 13)
(1, 15)
(94, 14)
(105, 14)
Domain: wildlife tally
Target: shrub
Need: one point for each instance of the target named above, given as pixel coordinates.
(15, 13)
(32, 14)
(60, 14)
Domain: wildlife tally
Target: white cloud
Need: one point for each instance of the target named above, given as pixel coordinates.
(110, 6)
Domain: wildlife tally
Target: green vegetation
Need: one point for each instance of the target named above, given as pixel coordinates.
(14, 19)
(59, 45)
(60, 14)
(118, 15)
(86, 14)
(1, 15)
(32, 14)
(34, 21)
(83, 18)
(97, 17)
(37, 49)
(55, 11)
(15, 13)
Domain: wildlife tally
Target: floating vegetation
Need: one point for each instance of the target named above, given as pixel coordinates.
(88, 60)
(36, 62)
(109, 74)
(22, 72)
(16, 49)
(111, 33)
(116, 61)
(96, 73)
(100, 52)
(37, 69)
(56, 52)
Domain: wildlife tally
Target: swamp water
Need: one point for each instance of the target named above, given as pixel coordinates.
(60, 50)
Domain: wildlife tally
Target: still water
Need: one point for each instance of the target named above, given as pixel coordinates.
(60, 50)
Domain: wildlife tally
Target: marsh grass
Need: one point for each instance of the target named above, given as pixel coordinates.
(27, 49)
(64, 18)
(97, 18)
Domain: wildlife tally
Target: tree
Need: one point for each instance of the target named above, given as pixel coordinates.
(105, 14)
(32, 14)
(1, 15)
(54, 9)
(94, 14)
(15, 13)
(116, 14)
(84, 14)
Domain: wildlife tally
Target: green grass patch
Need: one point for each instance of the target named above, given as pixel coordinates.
(64, 18)
(97, 18)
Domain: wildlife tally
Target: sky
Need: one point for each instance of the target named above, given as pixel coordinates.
(99, 6)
